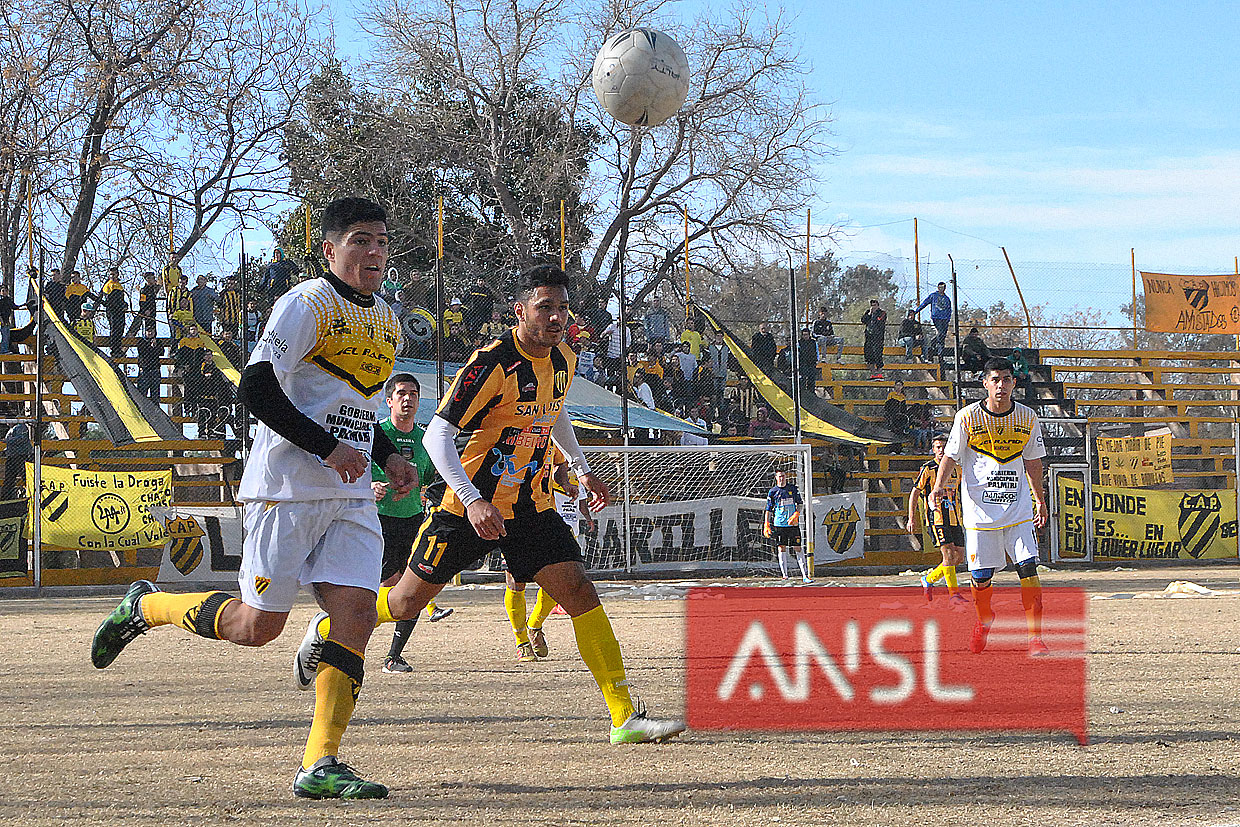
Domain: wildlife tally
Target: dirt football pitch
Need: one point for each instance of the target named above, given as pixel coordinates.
(181, 731)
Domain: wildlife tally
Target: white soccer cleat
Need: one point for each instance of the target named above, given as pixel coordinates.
(306, 661)
(639, 729)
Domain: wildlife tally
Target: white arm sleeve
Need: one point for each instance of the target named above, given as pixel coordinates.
(440, 444)
(565, 438)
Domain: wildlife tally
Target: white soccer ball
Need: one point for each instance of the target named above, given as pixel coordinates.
(641, 77)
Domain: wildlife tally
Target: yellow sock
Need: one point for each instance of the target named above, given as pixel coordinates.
(599, 649)
(431, 607)
(514, 604)
(381, 603)
(934, 575)
(1031, 599)
(336, 686)
(198, 612)
(981, 603)
(542, 609)
(949, 574)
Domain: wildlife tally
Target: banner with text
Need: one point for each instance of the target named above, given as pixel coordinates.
(1135, 461)
(1191, 304)
(101, 510)
(1129, 523)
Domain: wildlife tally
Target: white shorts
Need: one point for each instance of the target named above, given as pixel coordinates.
(991, 548)
(291, 544)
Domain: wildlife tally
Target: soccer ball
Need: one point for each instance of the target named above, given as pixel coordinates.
(641, 77)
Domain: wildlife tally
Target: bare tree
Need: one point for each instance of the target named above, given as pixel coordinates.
(152, 102)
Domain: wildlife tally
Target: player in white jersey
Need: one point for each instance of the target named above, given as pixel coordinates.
(997, 444)
(313, 384)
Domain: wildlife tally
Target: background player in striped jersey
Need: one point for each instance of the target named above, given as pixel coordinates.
(313, 383)
(505, 405)
(943, 522)
(997, 444)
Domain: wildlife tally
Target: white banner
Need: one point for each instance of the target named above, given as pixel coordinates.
(204, 544)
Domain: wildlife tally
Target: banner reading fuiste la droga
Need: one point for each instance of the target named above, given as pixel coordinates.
(1131, 523)
(103, 510)
(1192, 304)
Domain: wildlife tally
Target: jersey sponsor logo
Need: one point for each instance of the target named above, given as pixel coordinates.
(473, 374)
(275, 343)
(839, 660)
(506, 469)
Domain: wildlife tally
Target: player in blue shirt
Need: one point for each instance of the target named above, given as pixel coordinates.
(781, 523)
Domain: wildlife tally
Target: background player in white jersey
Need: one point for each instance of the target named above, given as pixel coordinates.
(313, 383)
(997, 444)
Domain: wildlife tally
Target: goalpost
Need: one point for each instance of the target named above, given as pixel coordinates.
(688, 508)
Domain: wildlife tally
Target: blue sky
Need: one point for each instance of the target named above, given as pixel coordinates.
(1067, 132)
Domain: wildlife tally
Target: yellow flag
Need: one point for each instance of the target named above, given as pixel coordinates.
(101, 510)
(1192, 304)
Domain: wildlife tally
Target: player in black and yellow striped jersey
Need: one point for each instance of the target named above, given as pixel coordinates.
(506, 408)
(944, 522)
(228, 307)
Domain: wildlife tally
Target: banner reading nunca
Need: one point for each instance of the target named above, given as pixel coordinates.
(104, 510)
(1131, 523)
(1192, 304)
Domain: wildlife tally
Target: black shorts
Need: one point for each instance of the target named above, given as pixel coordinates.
(398, 537)
(945, 526)
(447, 544)
(786, 535)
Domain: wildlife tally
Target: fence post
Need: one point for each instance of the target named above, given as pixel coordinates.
(627, 516)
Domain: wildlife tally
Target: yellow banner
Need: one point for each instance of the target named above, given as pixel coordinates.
(1129, 523)
(101, 510)
(1134, 461)
(1192, 304)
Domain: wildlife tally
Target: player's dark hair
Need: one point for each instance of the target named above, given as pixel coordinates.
(389, 387)
(540, 275)
(343, 213)
(995, 363)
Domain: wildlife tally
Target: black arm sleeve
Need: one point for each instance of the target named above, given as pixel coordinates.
(382, 447)
(260, 391)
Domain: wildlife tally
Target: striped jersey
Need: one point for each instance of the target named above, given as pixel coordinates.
(991, 450)
(331, 356)
(926, 478)
(505, 403)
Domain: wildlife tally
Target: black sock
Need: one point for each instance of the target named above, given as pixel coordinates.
(404, 628)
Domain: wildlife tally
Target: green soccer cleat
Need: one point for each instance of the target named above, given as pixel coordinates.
(329, 778)
(121, 626)
(639, 729)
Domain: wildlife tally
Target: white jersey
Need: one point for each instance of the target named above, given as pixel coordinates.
(331, 357)
(991, 451)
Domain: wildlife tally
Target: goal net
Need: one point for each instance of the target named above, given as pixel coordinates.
(686, 508)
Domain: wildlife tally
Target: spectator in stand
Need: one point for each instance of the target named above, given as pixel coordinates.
(719, 356)
(744, 398)
(910, 335)
(612, 334)
(694, 335)
(253, 326)
(656, 360)
(115, 306)
(229, 347)
(453, 315)
(921, 426)
(278, 277)
(686, 361)
(640, 389)
(7, 311)
(658, 323)
(76, 295)
(670, 393)
(825, 338)
(895, 410)
(763, 347)
(585, 359)
(54, 291)
(215, 400)
(84, 327)
(203, 298)
(493, 329)
(187, 368)
(783, 359)
(973, 351)
(150, 356)
(479, 305)
(455, 348)
(632, 366)
(18, 450)
(807, 361)
(704, 377)
(1020, 372)
(763, 426)
(148, 293)
(180, 307)
(875, 322)
(228, 308)
(940, 316)
(694, 417)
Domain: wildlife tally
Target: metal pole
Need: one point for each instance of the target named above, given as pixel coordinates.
(1088, 487)
(794, 346)
(243, 416)
(807, 478)
(1235, 433)
(1133, 251)
(36, 482)
(1019, 295)
(439, 310)
(956, 346)
(624, 407)
(916, 265)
